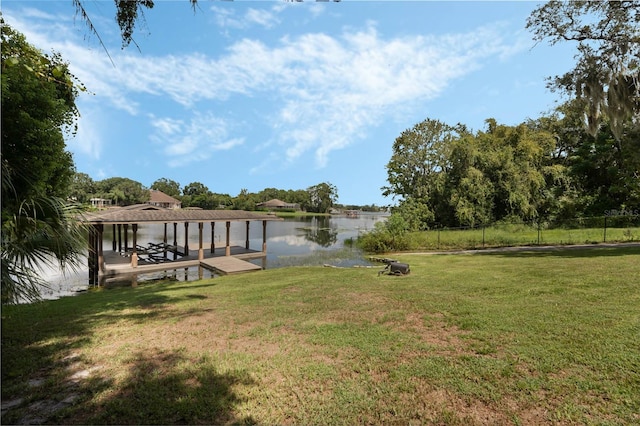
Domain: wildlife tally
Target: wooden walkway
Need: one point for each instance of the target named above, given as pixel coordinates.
(116, 265)
(229, 265)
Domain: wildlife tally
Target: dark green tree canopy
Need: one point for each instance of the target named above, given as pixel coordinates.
(547, 169)
(448, 176)
(322, 197)
(38, 104)
(82, 188)
(245, 200)
(168, 186)
(122, 191)
(195, 188)
(419, 155)
(38, 226)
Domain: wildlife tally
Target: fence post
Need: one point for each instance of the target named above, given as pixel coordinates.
(605, 229)
(538, 231)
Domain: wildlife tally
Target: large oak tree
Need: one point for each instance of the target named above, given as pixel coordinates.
(606, 78)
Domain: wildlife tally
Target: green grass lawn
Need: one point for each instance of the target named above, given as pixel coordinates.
(511, 338)
(517, 235)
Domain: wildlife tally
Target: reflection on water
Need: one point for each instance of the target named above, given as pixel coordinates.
(320, 230)
(300, 241)
(181, 274)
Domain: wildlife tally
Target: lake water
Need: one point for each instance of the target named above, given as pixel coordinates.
(312, 240)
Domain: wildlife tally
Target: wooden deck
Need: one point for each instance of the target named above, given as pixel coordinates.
(116, 265)
(229, 265)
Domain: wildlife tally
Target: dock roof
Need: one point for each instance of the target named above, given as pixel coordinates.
(150, 214)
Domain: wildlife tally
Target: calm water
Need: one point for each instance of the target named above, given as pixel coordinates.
(314, 240)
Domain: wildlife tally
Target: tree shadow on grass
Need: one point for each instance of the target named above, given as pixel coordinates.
(191, 285)
(36, 337)
(169, 388)
(164, 387)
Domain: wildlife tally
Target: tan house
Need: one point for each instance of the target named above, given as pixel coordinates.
(276, 204)
(160, 199)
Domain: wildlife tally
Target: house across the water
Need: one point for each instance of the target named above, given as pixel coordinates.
(276, 204)
(160, 199)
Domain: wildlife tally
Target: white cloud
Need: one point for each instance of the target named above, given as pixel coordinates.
(227, 18)
(184, 142)
(316, 9)
(331, 88)
(327, 91)
(88, 139)
(262, 17)
(167, 126)
(30, 12)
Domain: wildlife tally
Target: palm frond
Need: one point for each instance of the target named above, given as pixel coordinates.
(43, 232)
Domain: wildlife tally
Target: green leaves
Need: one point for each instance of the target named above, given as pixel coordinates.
(448, 176)
(58, 72)
(123, 191)
(322, 197)
(43, 231)
(607, 38)
(38, 103)
(419, 155)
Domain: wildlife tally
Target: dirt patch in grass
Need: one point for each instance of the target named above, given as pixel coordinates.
(441, 338)
(440, 406)
(531, 414)
(361, 307)
(210, 332)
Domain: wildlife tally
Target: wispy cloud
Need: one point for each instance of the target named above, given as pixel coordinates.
(328, 91)
(184, 142)
(88, 140)
(263, 18)
(228, 18)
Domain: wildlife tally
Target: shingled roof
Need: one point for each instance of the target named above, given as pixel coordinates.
(148, 214)
(159, 198)
(278, 204)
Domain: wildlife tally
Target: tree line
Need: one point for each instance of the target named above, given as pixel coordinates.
(549, 169)
(121, 191)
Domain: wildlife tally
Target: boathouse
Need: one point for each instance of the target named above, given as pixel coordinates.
(127, 255)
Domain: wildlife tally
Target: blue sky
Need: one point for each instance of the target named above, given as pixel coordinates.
(253, 95)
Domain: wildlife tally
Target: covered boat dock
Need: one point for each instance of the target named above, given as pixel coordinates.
(128, 256)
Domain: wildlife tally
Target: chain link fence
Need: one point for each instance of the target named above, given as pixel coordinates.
(583, 230)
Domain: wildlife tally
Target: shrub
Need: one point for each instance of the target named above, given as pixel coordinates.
(390, 235)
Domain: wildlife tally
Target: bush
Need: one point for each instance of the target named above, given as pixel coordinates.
(386, 236)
